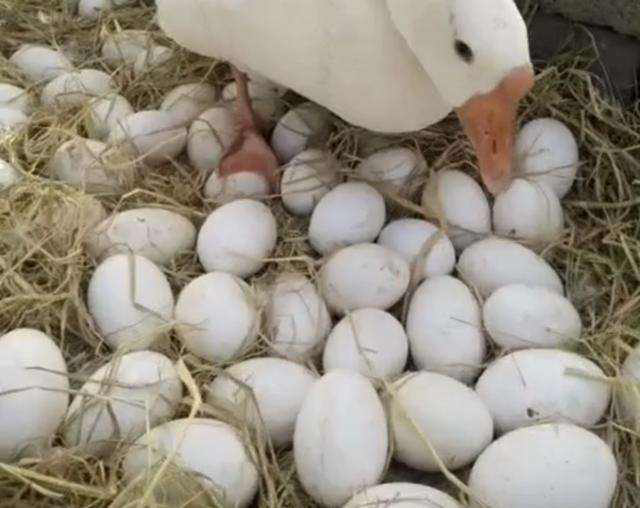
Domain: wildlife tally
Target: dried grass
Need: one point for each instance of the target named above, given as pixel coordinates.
(44, 268)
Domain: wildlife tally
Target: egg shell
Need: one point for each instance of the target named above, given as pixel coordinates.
(528, 212)
(187, 102)
(428, 250)
(15, 97)
(449, 414)
(518, 316)
(297, 318)
(9, 175)
(240, 185)
(33, 392)
(543, 385)
(341, 416)
(93, 9)
(547, 152)
(152, 59)
(545, 466)
(217, 317)
(12, 121)
(392, 167)
(629, 390)
(402, 495)
(351, 213)
(363, 275)
(278, 387)
(104, 114)
(263, 82)
(130, 316)
(266, 104)
(306, 179)
(124, 47)
(92, 166)
(119, 401)
(458, 199)
(444, 327)
(157, 234)
(210, 136)
(492, 263)
(369, 341)
(152, 135)
(76, 88)
(305, 126)
(228, 474)
(40, 63)
(237, 238)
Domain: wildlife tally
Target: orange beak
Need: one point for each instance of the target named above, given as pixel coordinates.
(489, 121)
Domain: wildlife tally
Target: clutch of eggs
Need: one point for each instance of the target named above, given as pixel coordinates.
(387, 291)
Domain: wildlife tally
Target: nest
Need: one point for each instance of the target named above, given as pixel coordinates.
(44, 269)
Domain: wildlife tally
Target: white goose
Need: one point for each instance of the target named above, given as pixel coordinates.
(389, 66)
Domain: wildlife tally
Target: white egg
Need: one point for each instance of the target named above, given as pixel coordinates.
(40, 63)
(124, 47)
(529, 212)
(228, 474)
(237, 238)
(351, 213)
(428, 250)
(33, 392)
(297, 318)
(492, 263)
(341, 439)
(12, 121)
(210, 137)
(437, 408)
(76, 88)
(393, 167)
(629, 390)
(458, 200)
(157, 234)
(91, 165)
(258, 79)
(518, 316)
(153, 136)
(547, 152)
(543, 385)
(130, 300)
(267, 391)
(217, 317)
(118, 402)
(93, 9)
(152, 59)
(305, 126)
(369, 341)
(240, 185)
(187, 102)
(545, 466)
(265, 102)
(9, 175)
(15, 97)
(306, 179)
(444, 327)
(402, 495)
(363, 275)
(104, 114)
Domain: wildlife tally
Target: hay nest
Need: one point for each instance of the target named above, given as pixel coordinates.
(44, 268)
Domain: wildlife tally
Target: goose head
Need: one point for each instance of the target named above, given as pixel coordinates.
(477, 55)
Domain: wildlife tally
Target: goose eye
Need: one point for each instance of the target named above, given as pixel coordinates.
(463, 51)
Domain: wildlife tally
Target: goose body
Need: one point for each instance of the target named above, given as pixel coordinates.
(389, 66)
(345, 55)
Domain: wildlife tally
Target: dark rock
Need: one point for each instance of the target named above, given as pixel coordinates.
(618, 64)
(622, 15)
